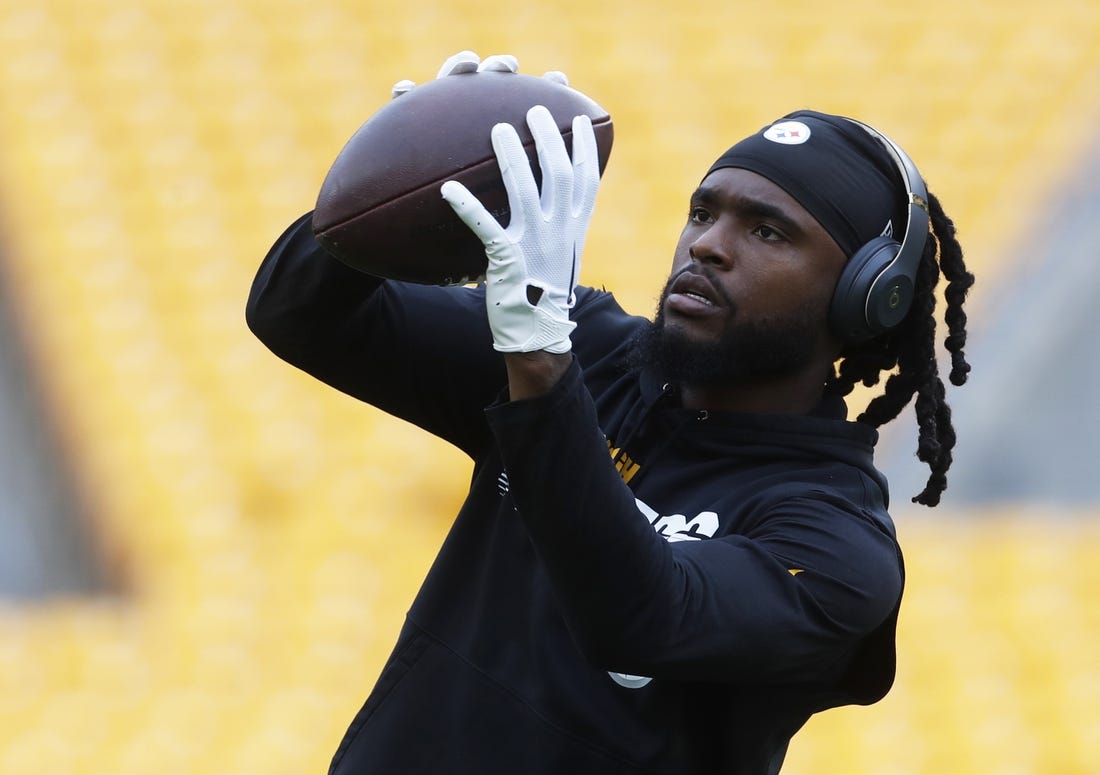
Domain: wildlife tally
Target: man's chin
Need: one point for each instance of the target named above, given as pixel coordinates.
(698, 331)
(695, 354)
(681, 354)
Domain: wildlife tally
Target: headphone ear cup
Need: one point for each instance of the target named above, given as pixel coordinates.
(854, 313)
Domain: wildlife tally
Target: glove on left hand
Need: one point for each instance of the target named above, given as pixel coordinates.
(469, 62)
(534, 263)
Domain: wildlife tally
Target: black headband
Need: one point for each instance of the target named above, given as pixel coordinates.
(844, 177)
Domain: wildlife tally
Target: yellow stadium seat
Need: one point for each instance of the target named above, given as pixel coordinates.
(268, 534)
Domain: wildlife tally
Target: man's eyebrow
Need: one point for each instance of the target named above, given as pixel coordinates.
(704, 195)
(747, 206)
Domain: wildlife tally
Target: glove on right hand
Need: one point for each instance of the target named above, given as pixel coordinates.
(533, 263)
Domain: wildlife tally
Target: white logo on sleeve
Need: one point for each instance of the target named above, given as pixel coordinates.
(788, 133)
(675, 527)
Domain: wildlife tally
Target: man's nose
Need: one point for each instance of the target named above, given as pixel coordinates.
(712, 247)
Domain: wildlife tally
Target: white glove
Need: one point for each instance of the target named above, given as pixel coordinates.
(534, 263)
(469, 62)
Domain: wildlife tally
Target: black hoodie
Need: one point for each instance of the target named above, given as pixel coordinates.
(630, 586)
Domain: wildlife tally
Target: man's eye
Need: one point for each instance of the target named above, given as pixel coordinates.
(768, 234)
(698, 215)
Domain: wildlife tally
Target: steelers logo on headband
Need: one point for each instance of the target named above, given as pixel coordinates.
(845, 178)
(787, 133)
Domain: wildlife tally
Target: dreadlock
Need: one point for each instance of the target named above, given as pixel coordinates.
(908, 351)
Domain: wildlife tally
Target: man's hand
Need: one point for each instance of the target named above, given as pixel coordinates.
(534, 262)
(469, 62)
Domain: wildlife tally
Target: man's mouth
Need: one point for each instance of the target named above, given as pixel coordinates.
(698, 296)
(693, 294)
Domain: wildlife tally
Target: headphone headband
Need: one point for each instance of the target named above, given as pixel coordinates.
(876, 289)
(916, 227)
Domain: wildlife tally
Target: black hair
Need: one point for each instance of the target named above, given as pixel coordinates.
(908, 354)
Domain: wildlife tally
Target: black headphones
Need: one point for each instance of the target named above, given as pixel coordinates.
(875, 289)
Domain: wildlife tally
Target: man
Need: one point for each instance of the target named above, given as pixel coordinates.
(675, 548)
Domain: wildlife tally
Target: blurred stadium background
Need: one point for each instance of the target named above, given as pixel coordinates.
(205, 556)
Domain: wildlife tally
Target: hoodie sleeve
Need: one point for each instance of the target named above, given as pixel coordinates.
(421, 353)
(792, 602)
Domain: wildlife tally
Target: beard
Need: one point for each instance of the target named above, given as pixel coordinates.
(746, 352)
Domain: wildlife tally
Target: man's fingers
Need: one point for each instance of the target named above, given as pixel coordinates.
(586, 165)
(472, 212)
(502, 63)
(462, 62)
(515, 170)
(401, 87)
(557, 183)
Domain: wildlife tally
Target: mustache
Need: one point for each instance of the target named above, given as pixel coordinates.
(710, 275)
